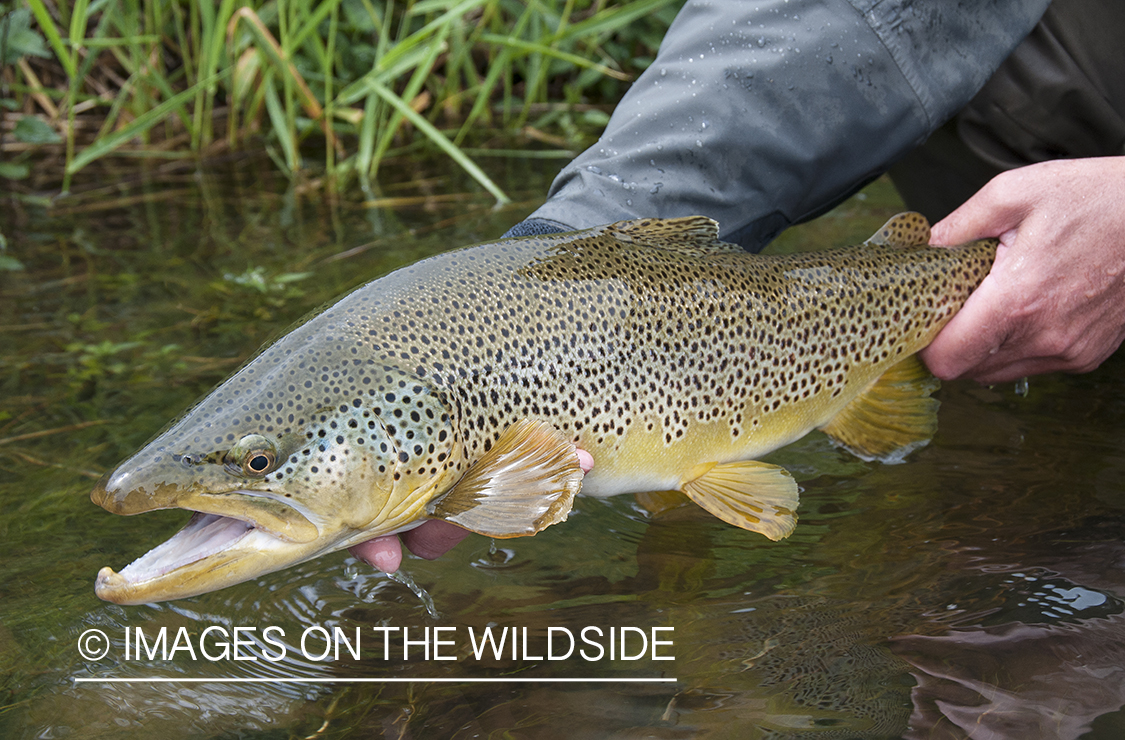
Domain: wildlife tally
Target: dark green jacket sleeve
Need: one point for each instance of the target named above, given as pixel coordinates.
(763, 114)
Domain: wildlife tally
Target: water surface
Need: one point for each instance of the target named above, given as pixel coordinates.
(974, 591)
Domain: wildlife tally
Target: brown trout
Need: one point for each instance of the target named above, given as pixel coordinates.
(458, 388)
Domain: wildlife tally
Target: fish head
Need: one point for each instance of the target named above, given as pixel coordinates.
(280, 465)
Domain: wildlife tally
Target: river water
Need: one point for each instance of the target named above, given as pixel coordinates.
(975, 590)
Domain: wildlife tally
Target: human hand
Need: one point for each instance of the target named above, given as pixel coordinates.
(1055, 297)
(431, 540)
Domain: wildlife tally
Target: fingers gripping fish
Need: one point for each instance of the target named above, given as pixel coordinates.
(459, 388)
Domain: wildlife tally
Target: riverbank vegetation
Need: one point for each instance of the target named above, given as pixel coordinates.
(328, 90)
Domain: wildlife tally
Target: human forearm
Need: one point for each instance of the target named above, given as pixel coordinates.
(762, 115)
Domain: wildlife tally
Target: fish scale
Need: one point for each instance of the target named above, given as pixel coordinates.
(459, 388)
(626, 340)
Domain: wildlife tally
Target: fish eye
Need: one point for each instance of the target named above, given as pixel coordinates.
(259, 461)
(253, 455)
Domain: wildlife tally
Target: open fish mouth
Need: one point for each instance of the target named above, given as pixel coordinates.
(206, 546)
(204, 535)
(232, 536)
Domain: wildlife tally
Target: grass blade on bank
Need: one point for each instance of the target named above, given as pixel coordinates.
(118, 65)
(441, 141)
(104, 146)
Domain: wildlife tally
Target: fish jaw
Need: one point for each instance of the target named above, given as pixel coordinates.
(126, 492)
(213, 551)
(232, 536)
(210, 552)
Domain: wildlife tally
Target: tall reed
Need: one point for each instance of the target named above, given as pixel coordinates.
(330, 86)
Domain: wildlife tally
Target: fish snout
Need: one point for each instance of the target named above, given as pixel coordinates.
(128, 490)
(101, 494)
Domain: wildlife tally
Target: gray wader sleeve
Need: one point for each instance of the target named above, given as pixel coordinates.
(764, 114)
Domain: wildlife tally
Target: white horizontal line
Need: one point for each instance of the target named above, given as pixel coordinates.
(172, 679)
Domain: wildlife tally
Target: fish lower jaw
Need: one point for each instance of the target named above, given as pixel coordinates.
(204, 536)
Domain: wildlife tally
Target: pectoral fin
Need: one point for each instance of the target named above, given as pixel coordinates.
(749, 494)
(525, 483)
(892, 417)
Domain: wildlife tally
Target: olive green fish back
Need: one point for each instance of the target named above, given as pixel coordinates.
(656, 326)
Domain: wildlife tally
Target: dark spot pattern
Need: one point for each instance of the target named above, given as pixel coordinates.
(641, 327)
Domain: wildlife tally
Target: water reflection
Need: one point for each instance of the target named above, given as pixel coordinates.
(975, 591)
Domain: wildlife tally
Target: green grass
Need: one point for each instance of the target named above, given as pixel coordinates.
(326, 88)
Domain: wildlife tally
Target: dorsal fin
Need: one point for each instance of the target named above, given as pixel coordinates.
(691, 235)
(908, 229)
